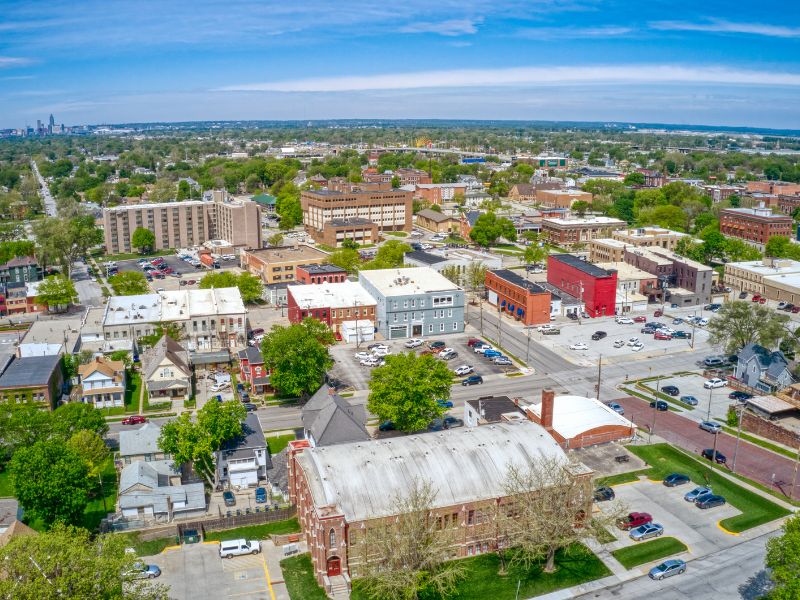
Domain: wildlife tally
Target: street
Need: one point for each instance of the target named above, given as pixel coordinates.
(44, 190)
(89, 292)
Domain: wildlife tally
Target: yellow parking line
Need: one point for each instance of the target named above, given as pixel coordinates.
(170, 548)
(214, 542)
(266, 574)
(726, 531)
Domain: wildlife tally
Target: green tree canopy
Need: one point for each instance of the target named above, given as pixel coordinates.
(143, 239)
(347, 259)
(489, 228)
(250, 286)
(634, 179)
(73, 417)
(298, 356)
(390, 255)
(92, 449)
(56, 292)
(580, 207)
(738, 323)
(783, 560)
(129, 283)
(406, 388)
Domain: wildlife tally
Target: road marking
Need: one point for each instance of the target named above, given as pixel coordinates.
(164, 551)
(266, 574)
(719, 524)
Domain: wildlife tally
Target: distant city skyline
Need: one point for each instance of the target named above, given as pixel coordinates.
(706, 63)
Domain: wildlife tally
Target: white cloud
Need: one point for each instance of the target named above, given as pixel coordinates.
(452, 27)
(722, 26)
(13, 61)
(530, 76)
(550, 33)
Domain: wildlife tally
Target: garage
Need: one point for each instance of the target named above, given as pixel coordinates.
(398, 332)
(357, 331)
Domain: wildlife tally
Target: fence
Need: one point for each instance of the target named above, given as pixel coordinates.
(240, 520)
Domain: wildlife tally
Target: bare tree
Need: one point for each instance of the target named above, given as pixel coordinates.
(402, 555)
(548, 508)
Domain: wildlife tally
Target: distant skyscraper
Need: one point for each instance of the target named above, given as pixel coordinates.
(52, 122)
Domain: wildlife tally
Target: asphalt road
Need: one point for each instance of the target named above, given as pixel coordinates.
(736, 572)
(89, 292)
(44, 190)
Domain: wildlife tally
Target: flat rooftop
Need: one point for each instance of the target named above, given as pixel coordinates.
(757, 267)
(346, 294)
(321, 269)
(584, 222)
(610, 242)
(425, 257)
(282, 254)
(758, 213)
(29, 371)
(626, 271)
(649, 232)
(519, 281)
(582, 265)
(349, 221)
(177, 305)
(407, 282)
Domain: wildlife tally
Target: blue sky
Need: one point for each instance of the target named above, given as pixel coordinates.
(112, 61)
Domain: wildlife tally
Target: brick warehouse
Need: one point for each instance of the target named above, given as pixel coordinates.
(524, 300)
(343, 490)
(595, 287)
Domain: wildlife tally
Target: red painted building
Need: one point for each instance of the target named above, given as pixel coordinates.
(596, 287)
(253, 371)
(524, 300)
(324, 273)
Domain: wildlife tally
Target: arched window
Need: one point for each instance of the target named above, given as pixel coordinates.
(332, 539)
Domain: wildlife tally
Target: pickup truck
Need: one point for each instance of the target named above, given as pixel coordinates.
(634, 519)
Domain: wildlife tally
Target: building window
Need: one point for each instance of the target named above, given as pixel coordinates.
(441, 327)
(332, 539)
(455, 325)
(430, 327)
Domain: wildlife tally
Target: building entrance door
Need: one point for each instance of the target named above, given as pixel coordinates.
(416, 330)
(334, 566)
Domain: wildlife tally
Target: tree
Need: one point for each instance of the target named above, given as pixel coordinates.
(50, 481)
(298, 356)
(405, 558)
(163, 191)
(91, 448)
(580, 207)
(395, 182)
(489, 228)
(197, 441)
(783, 560)
(250, 286)
(406, 389)
(350, 243)
(738, 323)
(634, 179)
(143, 239)
(666, 216)
(22, 425)
(129, 283)
(56, 292)
(73, 417)
(69, 563)
(275, 239)
(475, 277)
(534, 254)
(452, 273)
(63, 241)
(390, 255)
(347, 259)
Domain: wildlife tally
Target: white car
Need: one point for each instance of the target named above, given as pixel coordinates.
(375, 347)
(371, 362)
(619, 343)
(482, 349)
(463, 370)
(362, 355)
(545, 327)
(625, 321)
(414, 343)
(637, 347)
(634, 341)
(579, 346)
(714, 383)
(380, 352)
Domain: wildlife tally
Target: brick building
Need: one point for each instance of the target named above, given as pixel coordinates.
(685, 282)
(562, 198)
(324, 273)
(336, 231)
(754, 225)
(652, 178)
(343, 490)
(524, 300)
(439, 193)
(410, 176)
(773, 187)
(331, 303)
(570, 232)
(595, 287)
(278, 265)
(437, 221)
(253, 370)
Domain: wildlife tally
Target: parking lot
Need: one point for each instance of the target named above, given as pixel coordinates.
(681, 519)
(692, 385)
(183, 271)
(348, 370)
(196, 571)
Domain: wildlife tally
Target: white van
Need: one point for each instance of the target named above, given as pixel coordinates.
(231, 548)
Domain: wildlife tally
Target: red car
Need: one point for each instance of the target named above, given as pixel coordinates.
(472, 341)
(762, 300)
(157, 261)
(662, 336)
(191, 282)
(634, 519)
(658, 313)
(755, 298)
(640, 319)
(134, 420)
(796, 309)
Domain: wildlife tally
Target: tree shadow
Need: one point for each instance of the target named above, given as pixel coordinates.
(756, 586)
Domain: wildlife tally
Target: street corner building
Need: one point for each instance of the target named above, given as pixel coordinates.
(342, 490)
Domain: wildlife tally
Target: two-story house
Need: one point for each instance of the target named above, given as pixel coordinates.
(20, 269)
(166, 371)
(244, 460)
(253, 371)
(763, 370)
(103, 383)
(140, 444)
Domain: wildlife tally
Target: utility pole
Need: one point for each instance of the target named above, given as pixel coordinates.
(738, 437)
(794, 476)
(599, 371)
(710, 393)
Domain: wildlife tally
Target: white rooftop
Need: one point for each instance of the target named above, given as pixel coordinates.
(586, 221)
(757, 267)
(610, 242)
(345, 294)
(465, 464)
(649, 232)
(787, 279)
(173, 305)
(625, 271)
(574, 415)
(123, 310)
(407, 282)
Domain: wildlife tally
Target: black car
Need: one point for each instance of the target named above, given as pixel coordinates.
(452, 422)
(604, 493)
(671, 390)
(599, 335)
(708, 453)
(659, 405)
(740, 396)
(648, 330)
(249, 406)
(709, 501)
(742, 295)
(386, 426)
(229, 498)
(572, 316)
(682, 335)
(472, 380)
(675, 479)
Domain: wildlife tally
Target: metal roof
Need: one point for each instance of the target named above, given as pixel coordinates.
(29, 371)
(574, 415)
(582, 265)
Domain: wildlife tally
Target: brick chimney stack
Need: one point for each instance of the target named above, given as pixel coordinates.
(548, 397)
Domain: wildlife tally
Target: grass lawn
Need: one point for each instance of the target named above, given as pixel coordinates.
(95, 511)
(298, 573)
(130, 256)
(6, 491)
(395, 233)
(132, 393)
(276, 443)
(645, 552)
(482, 581)
(620, 478)
(756, 510)
(255, 532)
(148, 547)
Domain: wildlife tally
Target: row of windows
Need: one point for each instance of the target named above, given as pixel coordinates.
(437, 314)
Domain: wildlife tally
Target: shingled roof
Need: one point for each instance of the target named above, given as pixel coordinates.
(330, 419)
(168, 348)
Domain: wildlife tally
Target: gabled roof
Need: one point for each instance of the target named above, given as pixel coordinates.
(109, 368)
(20, 261)
(471, 217)
(167, 348)
(330, 419)
(139, 441)
(772, 364)
(16, 529)
(252, 355)
(251, 439)
(433, 215)
(159, 493)
(30, 371)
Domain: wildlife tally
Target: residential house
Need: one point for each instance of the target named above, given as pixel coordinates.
(522, 192)
(37, 379)
(330, 419)
(103, 383)
(467, 222)
(166, 371)
(436, 221)
(141, 444)
(152, 491)
(253, 371)
(244, 460)
(763, 370)
(20, 269)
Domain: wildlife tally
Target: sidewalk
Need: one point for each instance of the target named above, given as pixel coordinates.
(273, 556)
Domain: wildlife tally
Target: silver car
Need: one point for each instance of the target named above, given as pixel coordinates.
(696, 493)
(710, 426)
(646, 531)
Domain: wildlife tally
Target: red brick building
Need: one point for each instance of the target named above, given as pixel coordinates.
(253, 371)
(524, 300)
(324, 273)
(595, 287)
(754, 225)
(331, 303)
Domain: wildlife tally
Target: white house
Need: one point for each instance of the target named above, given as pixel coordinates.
(103, 383)
(244, 460)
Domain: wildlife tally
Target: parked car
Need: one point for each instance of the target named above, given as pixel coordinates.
(261, 495)
(659, 405)
(742, 295)
(648, 330)
(448, 354)
(637, 347)
(714, 361)
(634, 519)
(708, 453)
(690, 400)
(624, 320)
(552, 331)
(640, 319)
(445, 403)
(386, 426)
(599, 335)
(740, 396)
(755, 298)
(492, 353)
(675, 479)
(658, 313)
(472, 341)
(240, 547)
(229, 498)
(378, 347)
(604, 493)
(414, 343)
(671, 390)
(619, 343)
(616, 408)
(714, 383)
(709, 501)
(436, 344)
(647, 531)
(502, 361)
(696, 493)
(634, 341)
(677, 321)
(362, 355)
(144, 571)
(134, 420)
(572, 316)
(250, 407)
(660, 335)
(668, 568)
(710, 426)
(682, 335)
(472, 380)
(481, 348)
(453, 422)
(463, 370)
(579, 346)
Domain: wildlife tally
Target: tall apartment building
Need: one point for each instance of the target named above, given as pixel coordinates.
(754, 225)
(569, 232)
(390, 210)
(184, 224)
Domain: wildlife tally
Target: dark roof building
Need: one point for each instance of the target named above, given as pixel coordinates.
(244, 460)
(330, 419)
(36, 379)
(526, 301)
(420, 258)
(491, 409)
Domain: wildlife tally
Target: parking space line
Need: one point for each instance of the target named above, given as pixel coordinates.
(266, 574)
(165, 550)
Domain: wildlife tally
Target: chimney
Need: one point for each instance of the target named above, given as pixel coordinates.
(548, 397)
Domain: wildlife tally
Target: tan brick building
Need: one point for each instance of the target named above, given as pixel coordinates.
(562, 198)
(184, 224)
(436, 221)
(278, 265)
(569, 232)
(649, 236)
